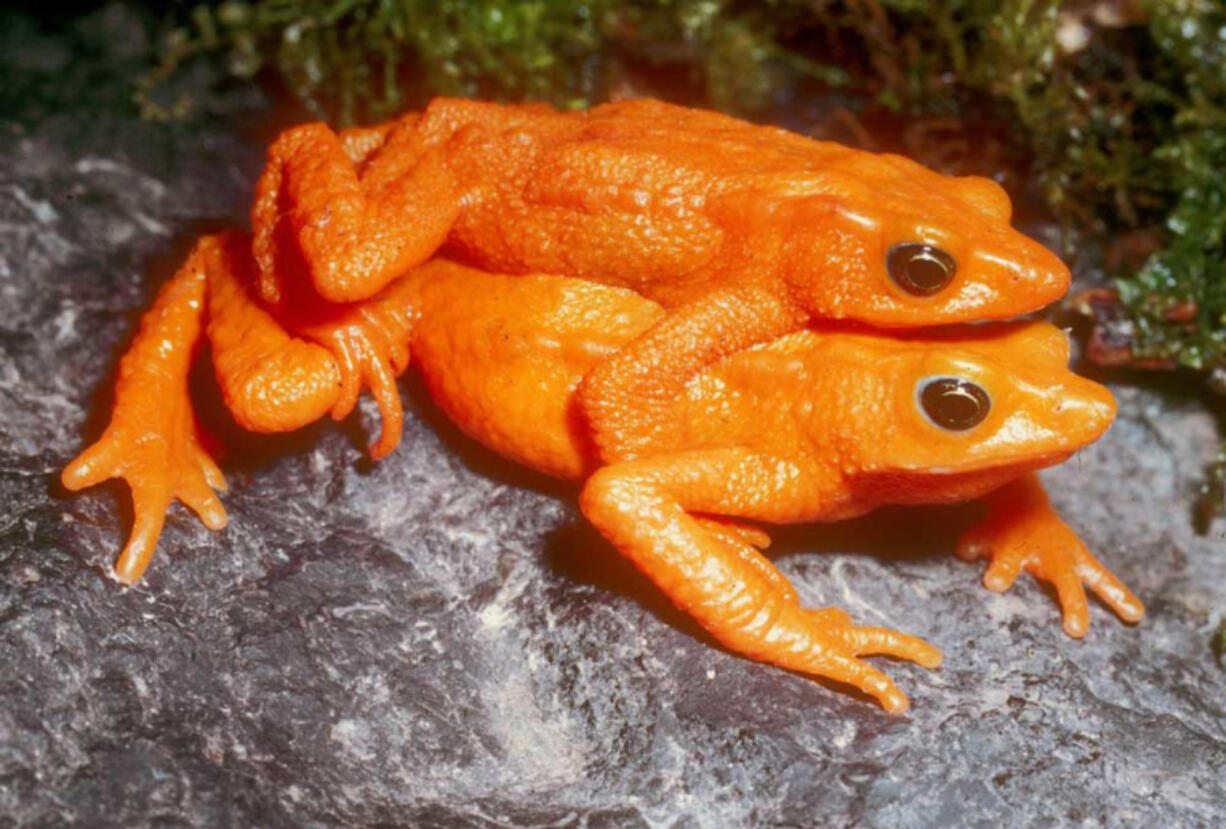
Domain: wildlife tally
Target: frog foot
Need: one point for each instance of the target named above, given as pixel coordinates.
(836, 643)
(840, 644)
(1023, 532)
(367, 357)
(159, 462)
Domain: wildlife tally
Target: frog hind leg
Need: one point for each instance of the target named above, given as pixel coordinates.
(153, 440)
(644, 509)
(270, 380)
(369, 343)
(1022, 531)
(627, 398)
(275, 381)
(357, 209)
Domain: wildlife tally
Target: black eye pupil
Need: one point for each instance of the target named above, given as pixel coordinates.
(919, 269)
(954, 404)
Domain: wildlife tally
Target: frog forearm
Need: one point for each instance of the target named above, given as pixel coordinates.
(628, 396)
(643, 508)
(1022, 531)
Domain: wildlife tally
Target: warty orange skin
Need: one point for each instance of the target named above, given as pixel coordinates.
(742, 232)
(817, 425)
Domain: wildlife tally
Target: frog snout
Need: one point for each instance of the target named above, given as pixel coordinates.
(1022, 271)
(1083, 410)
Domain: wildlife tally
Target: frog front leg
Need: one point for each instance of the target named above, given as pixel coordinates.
(285, 366)
(369, 342)
(1022, 531)
(281, 372)
(627, 397)
(355, 210)
(646, 509)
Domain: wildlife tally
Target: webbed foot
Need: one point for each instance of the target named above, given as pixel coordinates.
(1023, 532)
(153, 441)
(838, 645)
(370, 343)
(158, 454)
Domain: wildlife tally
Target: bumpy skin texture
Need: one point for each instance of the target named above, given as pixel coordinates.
(817, 425)
(690, 239)
(742, 232)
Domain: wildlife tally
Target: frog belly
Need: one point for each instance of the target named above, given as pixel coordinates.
(502, 356)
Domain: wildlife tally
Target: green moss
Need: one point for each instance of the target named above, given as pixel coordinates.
(353, 61)
(1121, 126)
(1178, 297)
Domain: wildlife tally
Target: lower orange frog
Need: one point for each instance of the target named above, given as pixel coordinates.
(819, 425)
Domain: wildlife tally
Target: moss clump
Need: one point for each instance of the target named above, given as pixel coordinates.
(1178, 296)
(353, 61)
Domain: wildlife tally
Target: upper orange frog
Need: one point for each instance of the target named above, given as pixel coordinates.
(743, 232)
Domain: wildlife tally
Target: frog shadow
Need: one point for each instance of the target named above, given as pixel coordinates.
(577, 553)
(580, 554)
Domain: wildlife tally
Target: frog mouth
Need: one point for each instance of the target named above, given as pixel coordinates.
(1027, 462)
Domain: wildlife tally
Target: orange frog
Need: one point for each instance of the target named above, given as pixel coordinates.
(817, 425)
(744, 233)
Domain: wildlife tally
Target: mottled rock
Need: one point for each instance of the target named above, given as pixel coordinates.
(436, 640)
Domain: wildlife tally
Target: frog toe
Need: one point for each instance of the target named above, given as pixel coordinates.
(841, 667)
(198, 494)
(366, 360)
(1023, 533)
(1113, 592)
(875, 641)
(878, 641)
(150, 500)
(96, 464)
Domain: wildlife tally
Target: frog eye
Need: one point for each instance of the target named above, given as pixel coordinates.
(953, 403)
(920, 269)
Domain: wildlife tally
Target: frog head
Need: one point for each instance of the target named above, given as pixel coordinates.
(954, 415)
(885, 241)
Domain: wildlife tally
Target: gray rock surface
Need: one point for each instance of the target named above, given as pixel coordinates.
(437, 641)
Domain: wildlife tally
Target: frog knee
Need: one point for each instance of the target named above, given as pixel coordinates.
(283, 391)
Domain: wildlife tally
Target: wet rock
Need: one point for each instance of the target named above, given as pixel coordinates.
(436, 640)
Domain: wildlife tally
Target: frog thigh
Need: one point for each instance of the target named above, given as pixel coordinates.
(354, 229)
